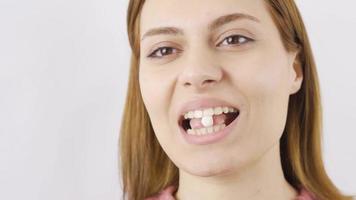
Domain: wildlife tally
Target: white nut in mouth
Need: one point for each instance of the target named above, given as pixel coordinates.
(207, 121)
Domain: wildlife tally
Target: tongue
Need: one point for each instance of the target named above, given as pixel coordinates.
(218, 119)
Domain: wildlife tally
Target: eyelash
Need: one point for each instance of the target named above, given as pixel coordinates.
(247, 40)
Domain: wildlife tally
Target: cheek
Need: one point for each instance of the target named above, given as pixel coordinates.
(156, 89)
(153, 85)
(146, 87)
(259, 75)
(157, 84)
(262, 79)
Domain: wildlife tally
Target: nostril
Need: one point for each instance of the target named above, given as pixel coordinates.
(209, 81)
(187, 84)
(202, 84)
(199, 80)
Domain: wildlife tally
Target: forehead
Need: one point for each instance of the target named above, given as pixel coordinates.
(195, 14)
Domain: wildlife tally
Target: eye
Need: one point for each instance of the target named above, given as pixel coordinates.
(162, 52)
(235, 40)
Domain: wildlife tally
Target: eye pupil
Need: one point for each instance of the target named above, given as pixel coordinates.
(230, 39)
(236, 39)
(166, 50)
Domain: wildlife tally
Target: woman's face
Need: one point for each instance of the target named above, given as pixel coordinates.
(205, 55)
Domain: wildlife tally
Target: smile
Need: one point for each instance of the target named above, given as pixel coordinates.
(208, 121)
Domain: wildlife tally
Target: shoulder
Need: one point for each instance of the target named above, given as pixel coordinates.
(165, 194)
(304, 194)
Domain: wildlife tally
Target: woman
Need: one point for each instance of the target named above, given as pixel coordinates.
(223, 103)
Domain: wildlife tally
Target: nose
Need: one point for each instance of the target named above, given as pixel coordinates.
(201, 71)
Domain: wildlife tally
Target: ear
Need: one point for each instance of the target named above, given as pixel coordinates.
(296, 75)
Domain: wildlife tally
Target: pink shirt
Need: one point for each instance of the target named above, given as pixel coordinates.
(167, 194)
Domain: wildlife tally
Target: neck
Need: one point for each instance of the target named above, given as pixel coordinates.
(263, 180)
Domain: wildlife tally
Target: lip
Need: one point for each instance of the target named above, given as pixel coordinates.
(201, 104)
(210, 138)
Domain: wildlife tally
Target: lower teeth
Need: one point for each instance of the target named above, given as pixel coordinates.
(206, 131)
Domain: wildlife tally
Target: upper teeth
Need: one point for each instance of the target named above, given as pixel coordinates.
(208, 112)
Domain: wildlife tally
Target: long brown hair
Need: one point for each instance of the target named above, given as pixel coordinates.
(145, 167)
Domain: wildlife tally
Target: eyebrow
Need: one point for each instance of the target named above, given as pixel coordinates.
(220, 21)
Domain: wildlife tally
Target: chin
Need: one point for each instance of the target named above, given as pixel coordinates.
(209, 169)
(219, 167)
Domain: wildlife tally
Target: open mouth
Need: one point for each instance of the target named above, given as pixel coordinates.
(208, 121)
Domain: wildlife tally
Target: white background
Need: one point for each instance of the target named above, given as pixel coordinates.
(63, 78)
